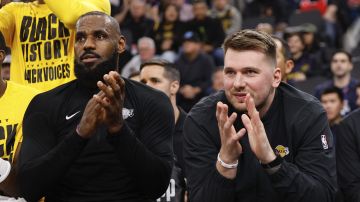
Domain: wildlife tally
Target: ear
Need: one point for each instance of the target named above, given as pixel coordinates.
(289, 65)
(2, 56)
(121, 44)
(277, 77)
(174, 87)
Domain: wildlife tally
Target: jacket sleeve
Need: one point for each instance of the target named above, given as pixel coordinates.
(149, 153)
(312, 174)
(348, 158)
(43, 161)
(205, 183)
(77, 7)
(7, 23)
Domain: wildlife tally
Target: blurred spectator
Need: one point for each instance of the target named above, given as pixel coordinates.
(5, 69)
(134, 23)
(195, 69)
(332, 99)
(217, 80)
(283, 58)
(317, 48)
(147, 50)
(265, 27)
(169, 33)
(333, 29)
(341, 67)
(162, 75)
(228, 15)
(186, 10)
(209, 30)
(14, 99)
(303, 64)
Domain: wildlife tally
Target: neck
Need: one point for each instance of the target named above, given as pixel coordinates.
(3, 86)
(266, 106)
(335, 121)
(176, 109)
(297, 55)
(191, 56)
(343, 81)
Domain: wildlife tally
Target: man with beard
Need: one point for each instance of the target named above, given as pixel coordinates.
(341, 68)
(99, 137)
(281, 149)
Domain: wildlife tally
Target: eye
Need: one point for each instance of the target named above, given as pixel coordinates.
(80, 38)
(155, 80)
(100, 36)
(230, 72)
(250, 72)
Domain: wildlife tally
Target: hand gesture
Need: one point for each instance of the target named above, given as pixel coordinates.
(90, 119)
(112, 102)
(230, 145)
(259, 142)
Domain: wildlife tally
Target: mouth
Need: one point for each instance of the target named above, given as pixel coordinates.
(240, 96)
(89, 58)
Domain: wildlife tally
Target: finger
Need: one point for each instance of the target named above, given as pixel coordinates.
(254, 113)
(223, 114)
(240, 134)
(250, 105)
(121, 83)
(102, 101)
(229, 123)
(247, 124)
(218, 110)
(106, 89)
(111, 81)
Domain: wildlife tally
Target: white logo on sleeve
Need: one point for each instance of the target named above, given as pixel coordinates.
(72, 115)
(324, 142)
(127, 113)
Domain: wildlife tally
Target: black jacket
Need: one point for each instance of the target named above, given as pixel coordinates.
(133, 165)
(297, 129)
(348, 156)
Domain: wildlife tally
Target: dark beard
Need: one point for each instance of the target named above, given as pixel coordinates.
(91, 75)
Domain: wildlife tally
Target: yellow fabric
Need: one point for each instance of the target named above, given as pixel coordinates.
(13, 105)
(42, 47)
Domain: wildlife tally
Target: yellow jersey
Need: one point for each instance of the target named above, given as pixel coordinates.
(13, 105)
(42, 37)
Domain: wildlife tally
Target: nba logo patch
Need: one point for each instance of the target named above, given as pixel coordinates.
(324, 142)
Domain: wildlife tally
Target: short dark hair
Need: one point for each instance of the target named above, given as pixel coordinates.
(248, 39)
(285, 47)
(344, 52)
(2, 42)
(334, 89)
(199, 1)
(112, 20)
(170, 72)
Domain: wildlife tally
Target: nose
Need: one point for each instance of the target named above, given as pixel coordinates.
(239, 81)
(89, 43)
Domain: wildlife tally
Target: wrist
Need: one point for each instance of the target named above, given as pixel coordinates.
(226, 164)
(276, 163)
(269, 158)
(81, 132)
(227, 158)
